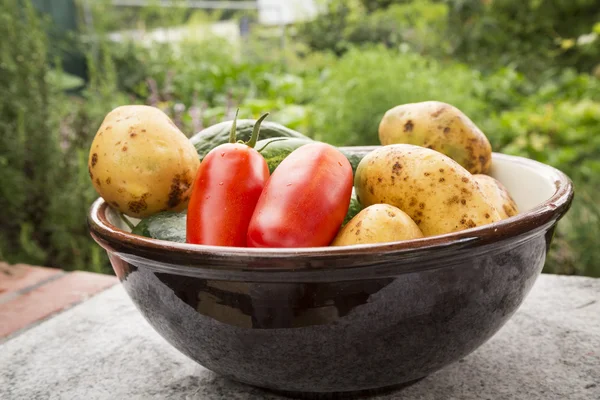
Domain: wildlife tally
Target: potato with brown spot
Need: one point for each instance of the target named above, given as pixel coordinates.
(379, 223)
(437, 207)
(146, 172)
(441, 127)
(497, 195)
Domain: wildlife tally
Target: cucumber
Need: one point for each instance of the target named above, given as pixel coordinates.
(278, 149)
(355, 208)
(166, 225)
(354, 158)
(209, 138)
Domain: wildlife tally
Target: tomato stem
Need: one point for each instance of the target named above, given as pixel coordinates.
(269, 142)
(255, 131)
(126, 220)
(232, 132)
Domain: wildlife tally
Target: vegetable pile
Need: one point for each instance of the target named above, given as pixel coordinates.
(225, 187)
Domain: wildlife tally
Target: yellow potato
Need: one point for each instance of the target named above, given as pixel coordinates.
(441, 127)
(435, 191)
(497, 195)
(141, 163)
(379, 223)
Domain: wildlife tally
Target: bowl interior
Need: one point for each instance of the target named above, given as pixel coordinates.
(529, 186)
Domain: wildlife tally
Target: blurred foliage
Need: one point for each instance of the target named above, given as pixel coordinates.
(373, 5)
(525, 71)
(562, 134)
(41, 169)
(419, 24)
(531, 35)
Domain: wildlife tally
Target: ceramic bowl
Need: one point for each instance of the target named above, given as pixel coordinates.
(322, 320)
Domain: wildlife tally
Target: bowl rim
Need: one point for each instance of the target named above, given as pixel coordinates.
(527, 223)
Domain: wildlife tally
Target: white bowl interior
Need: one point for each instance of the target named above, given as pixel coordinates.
(527, 185)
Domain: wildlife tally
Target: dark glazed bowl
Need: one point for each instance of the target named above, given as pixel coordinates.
(347, 318)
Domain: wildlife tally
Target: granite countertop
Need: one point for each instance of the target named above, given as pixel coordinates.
(104, 349)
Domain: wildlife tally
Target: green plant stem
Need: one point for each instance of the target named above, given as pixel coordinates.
(126, 220)
(256, 130)
(232, 133)
(269, 142)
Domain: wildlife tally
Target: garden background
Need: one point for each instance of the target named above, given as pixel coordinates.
(527, 72)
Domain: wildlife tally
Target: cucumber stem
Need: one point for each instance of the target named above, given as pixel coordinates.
(232, 132)
(255, 131)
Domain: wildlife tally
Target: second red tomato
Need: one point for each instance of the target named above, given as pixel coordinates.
(304, 201)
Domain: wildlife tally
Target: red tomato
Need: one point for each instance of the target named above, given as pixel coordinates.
(228, 184)
(305, 201)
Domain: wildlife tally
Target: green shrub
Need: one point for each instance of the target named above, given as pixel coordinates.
(207, 76)
(354, 94)
(41, 179)
(28, 135)
(329, 31)
(531, 35)
(45, 137)
(534, 36)
(420, 24)
(373, 5)
(562, 134)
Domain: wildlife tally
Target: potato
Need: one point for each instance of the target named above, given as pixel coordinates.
(379, 223)
(435, 191)
(497, 195)
(141, 163)
(441, 127)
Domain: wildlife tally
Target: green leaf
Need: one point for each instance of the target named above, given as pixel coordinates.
(64, 81)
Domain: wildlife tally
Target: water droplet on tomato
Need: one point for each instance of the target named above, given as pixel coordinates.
(220, 183)
(207, 197)
(223, 154)
(289, 184)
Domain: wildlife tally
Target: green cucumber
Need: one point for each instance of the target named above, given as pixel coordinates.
(275, 150)
(166, 225)
(354, 158)
(278, 149)
(355, 208)
(215, 135)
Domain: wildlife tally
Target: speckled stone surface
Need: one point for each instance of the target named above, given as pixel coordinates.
(103, 349)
